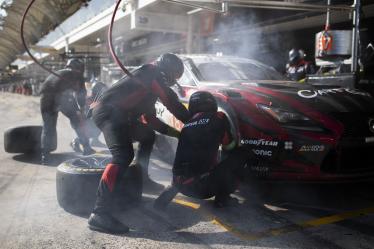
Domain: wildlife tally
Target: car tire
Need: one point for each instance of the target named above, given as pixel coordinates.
(231, 116)
(23, 139)
(77, 181)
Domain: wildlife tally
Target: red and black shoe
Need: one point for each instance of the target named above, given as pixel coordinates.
(106, 223)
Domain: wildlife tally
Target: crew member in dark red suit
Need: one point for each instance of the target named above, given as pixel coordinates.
(54, 98)
(196, 171)
(118, 115)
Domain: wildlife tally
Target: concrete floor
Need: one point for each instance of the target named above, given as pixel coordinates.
(268, 216)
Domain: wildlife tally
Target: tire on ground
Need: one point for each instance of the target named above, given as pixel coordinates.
(23, 139)
(77, 181)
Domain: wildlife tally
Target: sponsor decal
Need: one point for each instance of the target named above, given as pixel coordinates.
(309, 94)
(371, 125)
(202, 121)
(288, 145)
(369, 140)
(263, 152)
(259, 142)
(312, 148)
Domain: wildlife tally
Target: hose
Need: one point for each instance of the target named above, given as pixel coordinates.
(24, 42)
(118, 62)
(112, 52)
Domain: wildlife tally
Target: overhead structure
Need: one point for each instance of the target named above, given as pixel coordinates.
(44, 17)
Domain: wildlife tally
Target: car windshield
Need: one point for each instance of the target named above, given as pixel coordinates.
(233, 70)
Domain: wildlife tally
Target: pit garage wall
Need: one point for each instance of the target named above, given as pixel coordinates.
(266, 35)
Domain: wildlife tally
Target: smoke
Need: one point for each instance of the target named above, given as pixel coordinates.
(243, 36)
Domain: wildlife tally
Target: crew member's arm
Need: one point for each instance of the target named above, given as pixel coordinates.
(228, 142)
(81, 93)
(160, 126)
(170, 99)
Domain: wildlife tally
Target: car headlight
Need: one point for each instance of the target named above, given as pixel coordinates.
(290, 119)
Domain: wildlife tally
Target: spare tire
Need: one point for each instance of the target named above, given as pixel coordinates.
(77, 181)
(23, 139)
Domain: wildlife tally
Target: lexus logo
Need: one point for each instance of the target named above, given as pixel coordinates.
(371, 125)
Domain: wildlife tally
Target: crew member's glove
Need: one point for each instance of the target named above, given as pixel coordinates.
(173, 132)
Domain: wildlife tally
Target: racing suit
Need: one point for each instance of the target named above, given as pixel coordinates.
(54, 98)
(299, 71)
(118, 115)
(196, 171)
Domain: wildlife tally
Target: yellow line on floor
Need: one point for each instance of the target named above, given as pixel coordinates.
(282, 230)
(337, 217)
(187, 203)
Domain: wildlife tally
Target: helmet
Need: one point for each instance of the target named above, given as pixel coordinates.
(202, 102)
(76, 65)
(171, 66)
(295, 55)
(98, 88)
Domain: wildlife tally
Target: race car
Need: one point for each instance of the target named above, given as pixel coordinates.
(295, 131)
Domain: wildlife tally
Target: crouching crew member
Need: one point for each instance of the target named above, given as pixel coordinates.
(196, 171)
(118, 115)
(54, 99)
(93, 133)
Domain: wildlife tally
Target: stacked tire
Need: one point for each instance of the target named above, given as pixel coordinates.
(77, 181)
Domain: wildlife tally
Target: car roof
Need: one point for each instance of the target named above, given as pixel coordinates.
(217, 58)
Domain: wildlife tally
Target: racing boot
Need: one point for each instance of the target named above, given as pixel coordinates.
(96, 142)
(225, 200)
(103, 222)
(44, 157)
(165, 198)
(87, 150)
(75, 144)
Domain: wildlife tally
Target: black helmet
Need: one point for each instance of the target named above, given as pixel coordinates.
(171, 66)
(76, 65)
(202, 102)
(295, 55)
(98, 88)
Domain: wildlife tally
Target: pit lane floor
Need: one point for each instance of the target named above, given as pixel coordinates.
(267, 216)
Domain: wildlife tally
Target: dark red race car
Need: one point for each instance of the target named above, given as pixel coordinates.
(297, 131)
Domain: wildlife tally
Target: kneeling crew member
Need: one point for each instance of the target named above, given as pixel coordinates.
(196, 171)
(54, 99)
(93, 133)
(118, 116)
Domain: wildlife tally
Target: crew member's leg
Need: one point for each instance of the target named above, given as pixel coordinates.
(117, 138)
(49, 133)
(70, 109)
(146, 137)
(224, 178)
